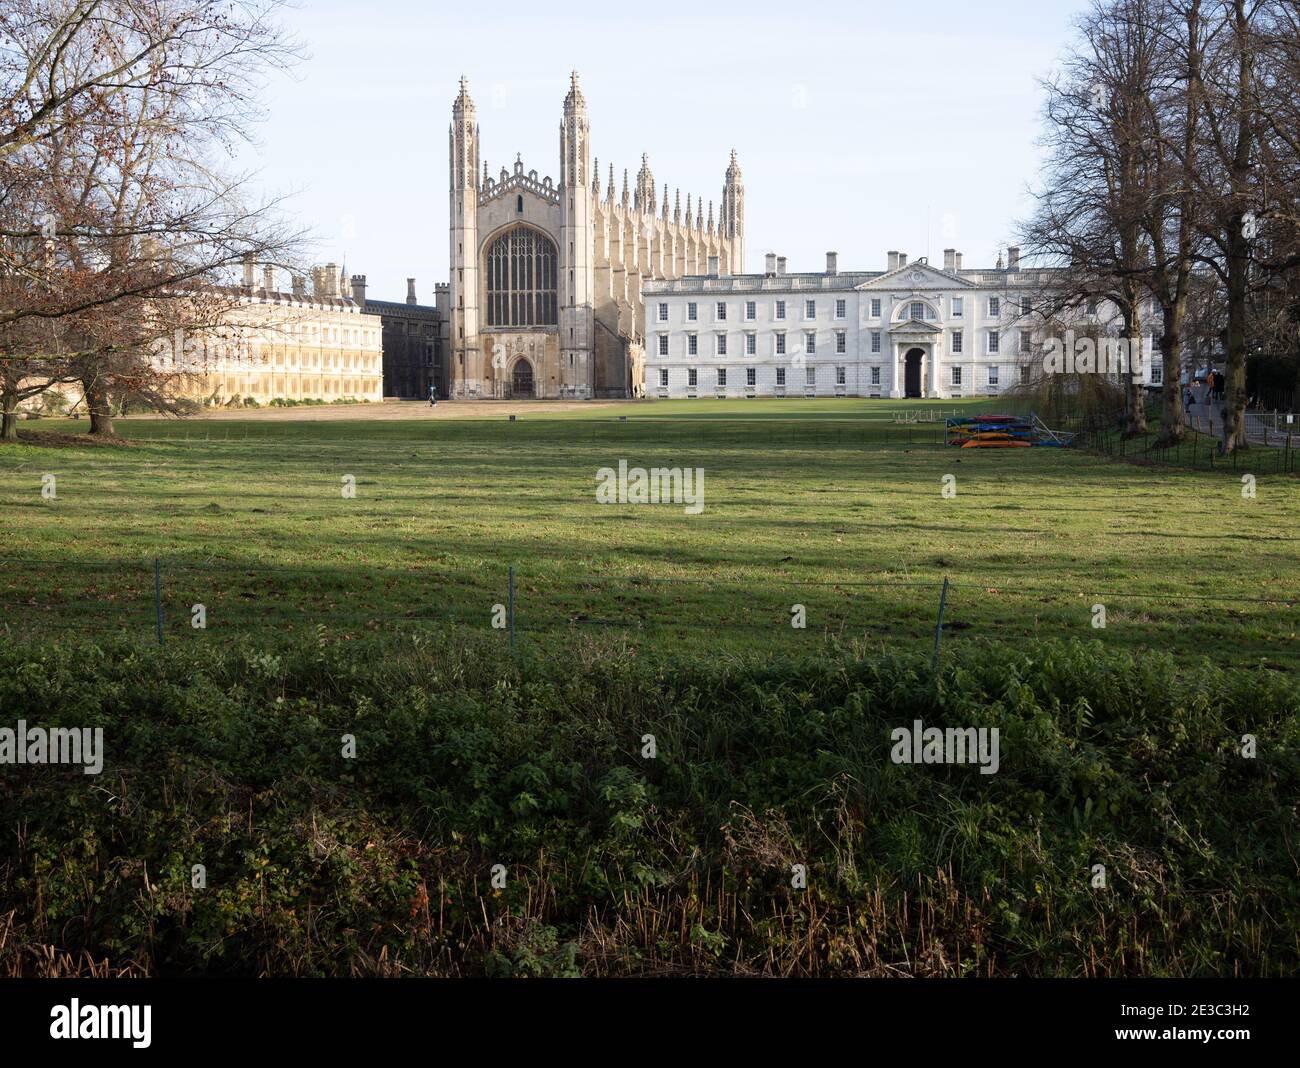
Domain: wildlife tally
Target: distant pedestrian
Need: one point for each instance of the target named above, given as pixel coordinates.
(433, 395)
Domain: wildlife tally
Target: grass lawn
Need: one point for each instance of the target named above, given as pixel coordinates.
(830, 504)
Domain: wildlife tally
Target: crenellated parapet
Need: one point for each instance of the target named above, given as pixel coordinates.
(507, 183)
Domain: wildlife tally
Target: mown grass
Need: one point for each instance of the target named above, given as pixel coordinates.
(616, 862)
(828, 504)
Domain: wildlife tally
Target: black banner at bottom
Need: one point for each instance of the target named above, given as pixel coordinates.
(337, 1016)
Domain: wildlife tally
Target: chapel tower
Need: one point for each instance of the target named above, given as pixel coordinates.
(467, 356)
(575, 253)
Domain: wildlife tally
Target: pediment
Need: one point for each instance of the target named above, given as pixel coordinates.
(914, 328)
(917, 277)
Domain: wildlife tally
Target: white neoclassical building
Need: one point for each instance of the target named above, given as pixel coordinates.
(911, 330)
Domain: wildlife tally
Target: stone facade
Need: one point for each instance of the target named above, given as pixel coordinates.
(287, 345)
(547, 276)
(912, 330)
(414, 340)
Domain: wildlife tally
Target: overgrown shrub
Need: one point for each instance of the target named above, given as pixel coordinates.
(231, 757)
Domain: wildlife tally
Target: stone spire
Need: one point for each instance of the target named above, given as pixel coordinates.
(699, 213)
(609, 189)
(595, 178)
(710, 216)
(665, 202)
(731, 221)
(688, 209)
(733, 170)
(626, 195)
(464, 140)
(574, 101)
(645, 186)
(463, 104)
(677, 207)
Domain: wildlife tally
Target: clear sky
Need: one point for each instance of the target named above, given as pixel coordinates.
(860, 127)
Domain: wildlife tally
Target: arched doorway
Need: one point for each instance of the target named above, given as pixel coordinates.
(912, 373)
(521, 379)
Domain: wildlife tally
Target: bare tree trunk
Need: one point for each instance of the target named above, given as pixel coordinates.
(1237, 240)
(9, 422)
(1173, 420)
(1234, 431)
(1136, 421)
(101, 414)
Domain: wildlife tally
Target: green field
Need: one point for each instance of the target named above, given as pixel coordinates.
(1129, 748)
(830, 504)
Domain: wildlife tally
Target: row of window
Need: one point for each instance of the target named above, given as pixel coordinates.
(993, 342)
(751, 344)
(751, 310)
(751, 376)
(917, 309)
(810, 376)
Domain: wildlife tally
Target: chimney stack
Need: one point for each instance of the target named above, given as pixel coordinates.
(299, 287)
(1013, 258)
(832, 263)
(949, 259)
(770, 266)
(780, 265)
(902, 259)
(359, 289)
(893, 260)
(250, 276)
(956, 259)
(410, 291)
(318, 283)
(268, 278)
(331, 280)
(713, 266)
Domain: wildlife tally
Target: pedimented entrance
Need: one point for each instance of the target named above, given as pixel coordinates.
(912, 373)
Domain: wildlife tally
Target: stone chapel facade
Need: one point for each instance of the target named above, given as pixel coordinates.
(546, 276)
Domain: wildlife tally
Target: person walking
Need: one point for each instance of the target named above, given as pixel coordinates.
(433, 395)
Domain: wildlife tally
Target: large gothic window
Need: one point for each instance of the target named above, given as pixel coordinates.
(521, 278)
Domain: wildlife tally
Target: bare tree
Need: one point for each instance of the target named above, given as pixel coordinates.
(118, 116)
(1229, 181)
(1170, 215)
(1094, 192)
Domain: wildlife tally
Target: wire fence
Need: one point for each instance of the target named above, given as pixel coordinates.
(1270, 452)
(1194, 451)
(171, 600)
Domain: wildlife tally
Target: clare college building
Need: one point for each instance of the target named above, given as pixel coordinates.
(911, 330)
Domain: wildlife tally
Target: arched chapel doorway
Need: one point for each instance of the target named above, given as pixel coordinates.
(521, 379)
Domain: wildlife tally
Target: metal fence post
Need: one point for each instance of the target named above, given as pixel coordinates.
(938, 630)
(511, 609)
(157, 598)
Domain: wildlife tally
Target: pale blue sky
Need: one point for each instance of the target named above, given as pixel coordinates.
(860, 127)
